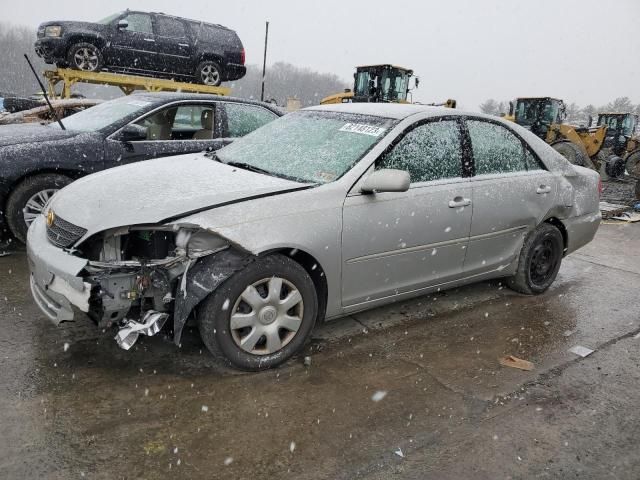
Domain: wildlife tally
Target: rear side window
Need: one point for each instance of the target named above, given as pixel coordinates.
(428, 152)
(244, 119)
(169, 27)
(139, 22)
(496, 149)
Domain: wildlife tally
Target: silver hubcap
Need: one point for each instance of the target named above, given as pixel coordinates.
(86, 59)
(210, 75)
(266, 316)
(36, 204)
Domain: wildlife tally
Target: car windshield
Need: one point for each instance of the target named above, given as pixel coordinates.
(109, 19)
(102, 115)
(308, 146)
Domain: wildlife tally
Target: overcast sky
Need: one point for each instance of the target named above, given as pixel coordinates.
(583, 51)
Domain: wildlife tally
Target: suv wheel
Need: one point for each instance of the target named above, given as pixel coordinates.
(86, 57)
(539, 261)
(209, 73)
(260, 316)
(28, 199)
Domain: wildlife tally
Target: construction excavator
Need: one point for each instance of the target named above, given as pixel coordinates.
(383, 83)
(544, 117)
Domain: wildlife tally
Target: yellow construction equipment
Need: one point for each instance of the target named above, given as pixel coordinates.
(377, 83)
(127, 83)
(621, 150)
(544, 117)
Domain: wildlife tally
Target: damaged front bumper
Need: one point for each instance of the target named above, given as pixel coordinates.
(56, 284)
(117, 290)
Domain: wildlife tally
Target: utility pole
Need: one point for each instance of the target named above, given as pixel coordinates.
(264, 63)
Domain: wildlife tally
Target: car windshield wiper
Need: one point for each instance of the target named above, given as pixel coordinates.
(251, 168)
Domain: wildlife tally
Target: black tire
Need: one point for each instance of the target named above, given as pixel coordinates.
(539, 261)
(632, 164)
(573, 153)
(86, 57)
(214, 314)
(20, 195)
(638, 190)
(209, 73)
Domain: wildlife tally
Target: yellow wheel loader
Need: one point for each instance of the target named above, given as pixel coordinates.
(622, 142)
(376, 83)
(544, 116)
(380, 84)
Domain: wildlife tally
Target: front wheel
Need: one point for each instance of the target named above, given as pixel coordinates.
(539, 261)
(209, 73)
(260, 316)
(573, 153)
(28, 199)
(86, 57)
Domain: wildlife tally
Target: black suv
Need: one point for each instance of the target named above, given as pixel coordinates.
(145, 43)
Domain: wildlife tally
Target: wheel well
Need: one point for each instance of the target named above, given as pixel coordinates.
(213, 57)
(315, 271)
(563, 230)
(97, 41)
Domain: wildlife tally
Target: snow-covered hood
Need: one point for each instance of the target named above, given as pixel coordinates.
(31, 133)
(156, 190)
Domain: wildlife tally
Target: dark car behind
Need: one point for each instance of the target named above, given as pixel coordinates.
(145, 43)
(37, 160)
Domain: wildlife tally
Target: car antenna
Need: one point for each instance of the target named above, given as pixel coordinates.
(44, 91)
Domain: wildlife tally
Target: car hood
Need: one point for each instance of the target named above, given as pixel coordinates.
(158, 190)
(31, 133)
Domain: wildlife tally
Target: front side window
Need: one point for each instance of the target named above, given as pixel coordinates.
(184, 122)
(495, 149)
(139, 22)
(169, 27)
(308, 146)
(244, 119)
(428, 152)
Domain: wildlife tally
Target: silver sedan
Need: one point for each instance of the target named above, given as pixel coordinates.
(325, 212)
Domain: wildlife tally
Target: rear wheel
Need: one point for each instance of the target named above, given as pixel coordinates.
(539, 261)
(573, 153)
(632, 165)
(260, 316)
(209, 73)
(85, 57)
(28, 199)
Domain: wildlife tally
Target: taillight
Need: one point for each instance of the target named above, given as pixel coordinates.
(242, 57)
(600, 188)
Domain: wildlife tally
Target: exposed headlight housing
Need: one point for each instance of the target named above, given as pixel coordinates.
(53, 31)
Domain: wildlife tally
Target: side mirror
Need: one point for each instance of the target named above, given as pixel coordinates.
(133, 133)
(417, 81)
(122, 24)
(386, 180)
(510, 109)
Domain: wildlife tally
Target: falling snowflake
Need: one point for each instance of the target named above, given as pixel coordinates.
(228, 461)
(66, 346)
(205, 408)
(225, 305)
(379, 395)
(292, 446)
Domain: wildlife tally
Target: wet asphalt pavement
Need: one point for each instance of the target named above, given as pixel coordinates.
(73, 405)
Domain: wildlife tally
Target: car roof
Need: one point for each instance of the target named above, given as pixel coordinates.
(163, 97)
(396, 111)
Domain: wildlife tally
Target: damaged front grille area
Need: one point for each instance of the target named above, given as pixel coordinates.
(64, 234)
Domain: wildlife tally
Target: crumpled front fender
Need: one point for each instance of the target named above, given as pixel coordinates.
(202, 278)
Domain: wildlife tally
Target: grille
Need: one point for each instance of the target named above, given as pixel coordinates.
(64, 234)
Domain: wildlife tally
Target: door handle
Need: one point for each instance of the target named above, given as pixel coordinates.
(543, 189)
(183, 45)
(149, 40)
(459, 202)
